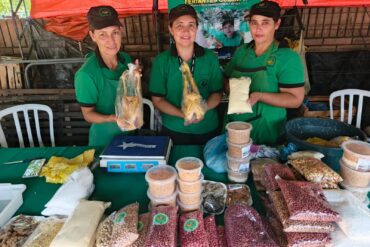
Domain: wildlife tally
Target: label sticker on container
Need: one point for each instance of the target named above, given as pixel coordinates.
(160, 219)
(363, 164)
(191, 225)
(244, 167)
(34, 168)
(245, 151)
(120, 218)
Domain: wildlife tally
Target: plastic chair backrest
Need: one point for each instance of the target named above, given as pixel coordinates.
(14, 110)
(351, 93)
(151, 108)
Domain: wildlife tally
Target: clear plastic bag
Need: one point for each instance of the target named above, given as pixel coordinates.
(162, 227)
(269, 173)
(129, 100)
(191, 228)
(215, 153)
(104, 232)
(44, 233)
(211, 230)
(241, 219)
(193, 106)
(142, 229)
(125, 222)
(305, 201)
(355, 221)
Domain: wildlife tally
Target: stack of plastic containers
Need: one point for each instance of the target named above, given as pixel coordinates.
(238, 155)
(189, 183)
(162, 185)
(355, 169)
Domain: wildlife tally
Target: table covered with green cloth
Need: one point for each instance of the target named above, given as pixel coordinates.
(119, 188)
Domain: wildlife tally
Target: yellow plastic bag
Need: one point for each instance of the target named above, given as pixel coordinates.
(58, 169)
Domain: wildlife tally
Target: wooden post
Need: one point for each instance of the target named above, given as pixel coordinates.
(3, 77)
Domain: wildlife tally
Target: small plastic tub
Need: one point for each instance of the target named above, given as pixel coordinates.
(161, 180)
(239, 151)
(238, 165)
(188, 207)
(189, 168)
(237, 177)
(189, 198)
(354, 178)
(360, 193)
(356, 154)
(239, 132)
(190, 187)
(165, 201)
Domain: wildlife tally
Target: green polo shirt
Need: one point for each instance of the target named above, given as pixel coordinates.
(232, 41)
(276, 68)
(166, 81)
(96, 86)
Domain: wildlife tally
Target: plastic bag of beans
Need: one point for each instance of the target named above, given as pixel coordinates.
(142, 229)
(162, 227)
(191, 228)
(124, 230)
(306, 201)
(296, 225)
(222, 242)
(308, 239)
(244, 227)
(211, 230)
(269, 173)
(104, 231)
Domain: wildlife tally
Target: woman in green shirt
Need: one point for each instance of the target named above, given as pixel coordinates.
(166, 85)
(276, 74)
(96, 81)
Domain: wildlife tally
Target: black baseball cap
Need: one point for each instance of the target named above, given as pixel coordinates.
(266, 8)
(180, 10)
(102, 16)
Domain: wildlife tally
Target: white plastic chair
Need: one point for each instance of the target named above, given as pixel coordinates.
(151, 108)
(351, 93)
(14, 110)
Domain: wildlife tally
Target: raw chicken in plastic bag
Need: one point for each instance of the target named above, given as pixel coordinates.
(129, 101)
(193, 105)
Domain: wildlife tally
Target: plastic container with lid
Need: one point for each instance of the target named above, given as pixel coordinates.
(356, 154)
(190, 187)
(239, 132)
(239, 151)
(238, 165)
(10, 200)
(354, 178)
(360, 193)
(237, 177)
(161, 180)
(189, 198)
(188, 207)
(189, 168)
(165, 201)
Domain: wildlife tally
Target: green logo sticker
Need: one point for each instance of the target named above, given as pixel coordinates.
(140, 226)
(120, 218)
(160, 219)
(191, 225)
(105, 12)
(271, 61)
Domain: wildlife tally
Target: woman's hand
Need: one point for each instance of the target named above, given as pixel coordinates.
(112, 118)
(255, 97)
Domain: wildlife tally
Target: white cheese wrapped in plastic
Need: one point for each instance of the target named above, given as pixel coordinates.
(239, 95)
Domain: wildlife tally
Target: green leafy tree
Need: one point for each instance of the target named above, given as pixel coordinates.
(5, 9)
